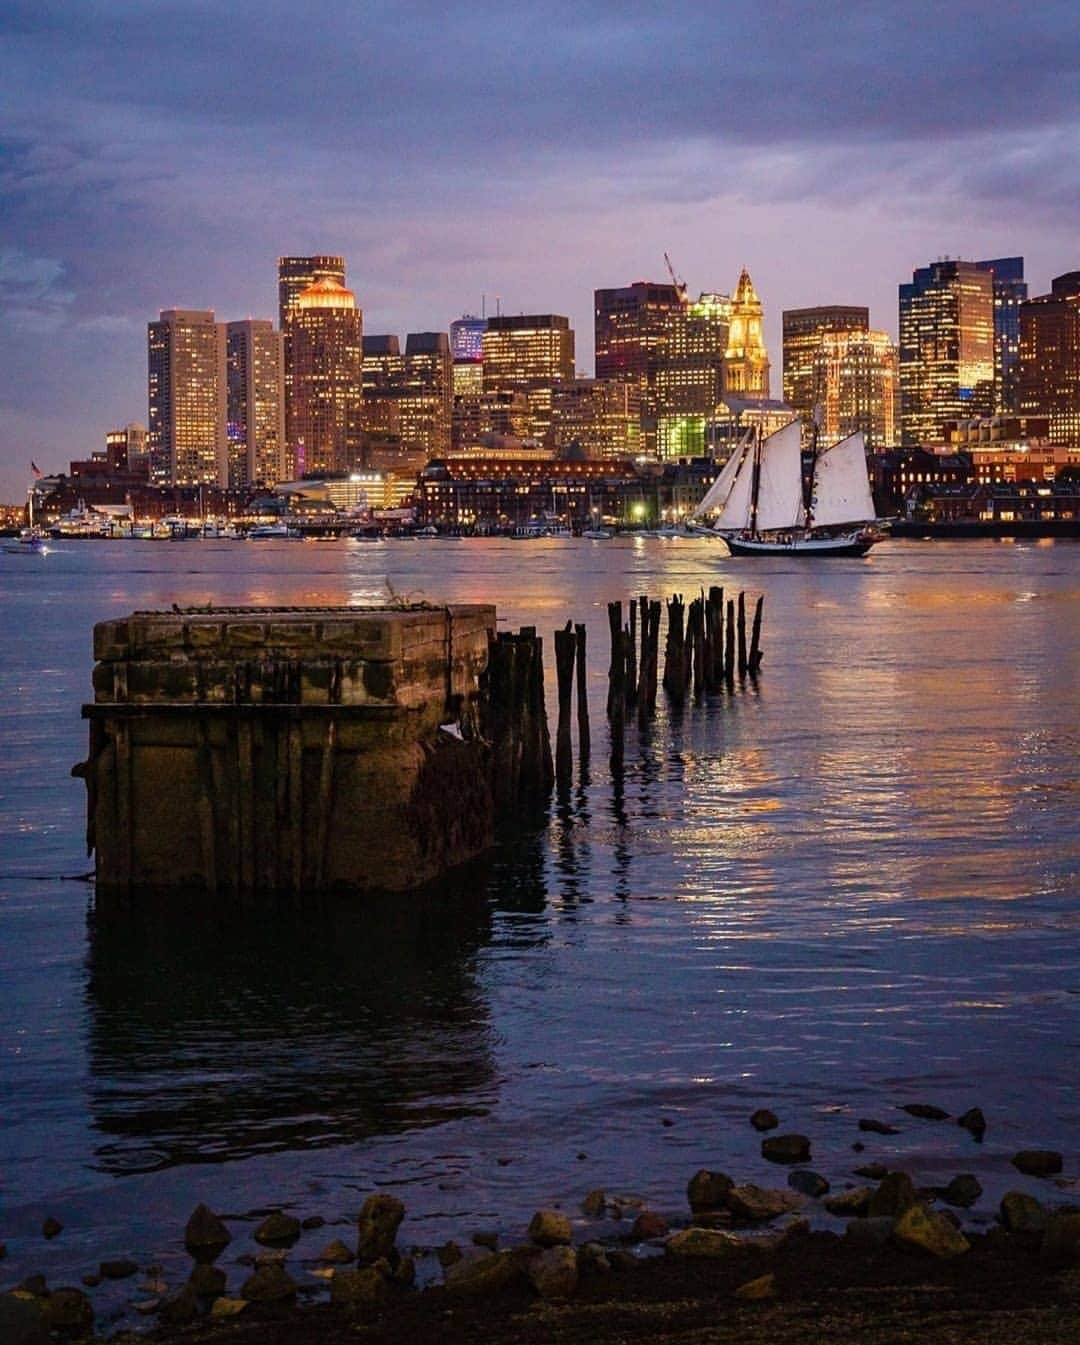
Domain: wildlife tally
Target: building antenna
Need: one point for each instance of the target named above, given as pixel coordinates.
(483, 305)
(498, 306)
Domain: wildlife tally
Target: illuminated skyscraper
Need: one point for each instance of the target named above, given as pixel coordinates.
(256, 403)
(1049, 381)
(804, 329)
(427, 394)
(633, 326)
(186, 385)
(478, 418)
(602, 416)
(689, 373)
(1010, 291)
(467, 352)
(855, 380)
(530, 353)
(326, 407)
(746, 361)
(946, 348)
(296, 274)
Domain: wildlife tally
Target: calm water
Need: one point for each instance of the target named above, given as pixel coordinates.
(854, 888)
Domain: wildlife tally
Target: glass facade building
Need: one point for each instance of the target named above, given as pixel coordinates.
(1010, 291)
(255, 361)
(529, 353)
(1049, 378)
(326, 396)
(804, 330)
(186, 438)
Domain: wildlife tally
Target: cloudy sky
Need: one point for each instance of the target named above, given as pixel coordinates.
(161, 153)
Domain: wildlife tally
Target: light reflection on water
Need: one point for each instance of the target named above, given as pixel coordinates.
(850, 887)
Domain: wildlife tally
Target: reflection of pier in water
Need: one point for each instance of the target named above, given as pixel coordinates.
(216, 1037)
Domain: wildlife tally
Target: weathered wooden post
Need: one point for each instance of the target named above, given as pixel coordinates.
(675, 651)
(617, 664)
(755, 637)
(565, 657)
(655, 610)
(631, 657)
(584, 736)
(729, 645)
(742, 633)
(716, 603)
(697, 643)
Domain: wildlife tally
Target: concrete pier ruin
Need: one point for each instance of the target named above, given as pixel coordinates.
(304, 749)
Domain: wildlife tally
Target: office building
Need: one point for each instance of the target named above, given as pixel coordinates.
(946, 348)
(633, 325)
(383, 374)
(746, 361)
(255, 363)
(127, 449)
(689, 374)
(1049, 376)
(427, 394)
(529, 353)
(297, 274)
(186, 385)
(484, 418)
(600, 417)
(326, 402)
(855, 381)
(803, 332)
(1010, 291)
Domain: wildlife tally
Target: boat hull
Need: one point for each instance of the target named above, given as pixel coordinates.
(804, 548)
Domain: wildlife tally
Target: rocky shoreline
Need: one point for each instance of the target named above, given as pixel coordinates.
(746, 1263)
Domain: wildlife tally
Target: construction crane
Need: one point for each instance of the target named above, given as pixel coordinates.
(680, 285)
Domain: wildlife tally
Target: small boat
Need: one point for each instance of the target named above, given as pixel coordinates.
(596, 534)
(28, 543)
(762, 509)
(264, 531)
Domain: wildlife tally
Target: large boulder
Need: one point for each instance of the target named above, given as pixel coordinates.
(482, 1274)
(764, 1119)
(594, 1204)
(963, 1191)
(205, 1236)
(786, 1149)
(648, 1225)
(553, 1272)
(1037, 1162)
(550, 1228)
(181, 1308)
(67, 1310)
(925, 1110)
(875, 1127)
(269, 1284)
(808, 1183)
(869, 1232)
(973, 1121)
(207, 1281)
(706, 1190)
(895, 1195)
(929, 1231)
(762, 1287)
(278, 1230)
(380, 1218)
(756, 1205)
(21, 1322)
(335, 1253)
(1061, 1241)
(1022, 1213)
(359, 1290)
(849, 1204)
(709, 1243)
(119, 1269)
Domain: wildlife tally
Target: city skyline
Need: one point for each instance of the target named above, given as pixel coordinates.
(497, 155)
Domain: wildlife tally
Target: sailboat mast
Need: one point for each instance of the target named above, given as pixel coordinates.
(813, 473)
(756, 481)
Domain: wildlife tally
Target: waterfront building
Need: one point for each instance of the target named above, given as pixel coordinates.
(946, 347)
(128, 448)
(803, 330)
(1010, 449)
(601, 416)
(427, 394)
(255, 365)
(529, 353)
(186, 393)
(746, 361)
(632, 328)
(383, 377)
(1010, 291)
(689, 375)
(1049, 377)
(483, 418)
(326, 405)
(855, 379)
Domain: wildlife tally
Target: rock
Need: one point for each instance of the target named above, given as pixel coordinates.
(91, 1281)
(974, 1121)
(380, 1218)
(963, 1190)
(227, 1307)
(929, 1232)
(648, 1225)
(312, 1221)
(278, 1230)
(895, 1195)
(51, 1227)
(710, 1243)
(207, 1281)
(849, 1204)
(363, 1288)
(35, 1286)
(706, 1190)
(925, 1111)
(593, 1256)
(21, 1321)
(763, 1287)
(858, 1146)
(67, 1309)
(869, 1232)
(786, 1149)
(269, 1284)
(119, 1269)
(877, 1127)
(181, 1309)
(156, 1288)
(594, 1204)
(448, 1254)
(336, 1253)
(273, 1256)
(147, 1307)
(487, 1239)
(554, 1272)
(808, 1183)
(1061, 1240)
(549, 1228)
(763, 1119)
(482, 1274)
(1021, 1213)
(755, 1204)
(1037, 1162)
(205, 1236)
(873, 1171)
(404, 1273)
(666, 1122)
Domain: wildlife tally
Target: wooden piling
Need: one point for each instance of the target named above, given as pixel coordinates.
(755, 637)
(675, 651)
(631, 657)
(584, 735)
(696, 644)
(565, 658)
(742, 634)
(617, 664)
(729, 645)
(716, 605)
(655, 610)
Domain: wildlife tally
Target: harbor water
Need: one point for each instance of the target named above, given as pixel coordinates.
(847, 888)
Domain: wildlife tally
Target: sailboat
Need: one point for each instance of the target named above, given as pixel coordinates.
(762, 511)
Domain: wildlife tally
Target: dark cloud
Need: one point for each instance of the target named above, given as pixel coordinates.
(155, 152)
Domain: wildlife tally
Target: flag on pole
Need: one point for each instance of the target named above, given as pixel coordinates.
(35, 469)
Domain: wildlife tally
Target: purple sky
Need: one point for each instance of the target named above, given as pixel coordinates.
(158, 153)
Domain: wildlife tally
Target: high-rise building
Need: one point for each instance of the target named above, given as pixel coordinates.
(530, 353)
(946, 348)
(467, 351)
(187, 403)
(855, 378)
(479, 418)
(297, 274)
(126, 450)
(1049, 378)
(633, 326)
(689, 375)
(326, 405)
(746, 361)
(255, 362)
(427, 394)
(601, 416)
(803, 332)
(384, 374)
(1010, 291)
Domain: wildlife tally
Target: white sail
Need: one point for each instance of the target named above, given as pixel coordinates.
(716, 496)
(842, 485)
(735, 510)
(780, 487)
